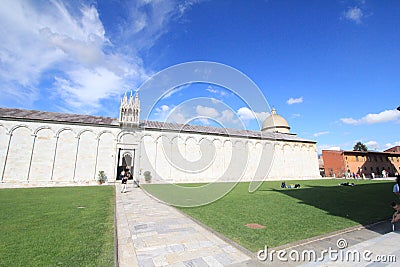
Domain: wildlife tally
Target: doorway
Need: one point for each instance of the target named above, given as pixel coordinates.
(126, 162)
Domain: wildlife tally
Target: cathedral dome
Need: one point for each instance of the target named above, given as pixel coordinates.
(275, 123)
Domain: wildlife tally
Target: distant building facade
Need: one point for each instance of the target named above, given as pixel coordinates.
(371, 164)
(38, 147)
(395, 149)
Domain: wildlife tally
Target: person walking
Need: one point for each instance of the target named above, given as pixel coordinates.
(124, 182)
(396, 187)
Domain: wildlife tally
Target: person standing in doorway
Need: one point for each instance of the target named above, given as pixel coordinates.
(124, 182)
(122, 174)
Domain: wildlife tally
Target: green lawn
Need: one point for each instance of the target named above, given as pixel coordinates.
(318, 207)
(69, 226)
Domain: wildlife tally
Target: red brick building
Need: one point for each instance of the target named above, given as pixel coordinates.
(395, 149)
(370, 163)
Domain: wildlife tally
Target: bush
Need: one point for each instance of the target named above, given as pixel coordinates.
(147, 176)
(101, 177)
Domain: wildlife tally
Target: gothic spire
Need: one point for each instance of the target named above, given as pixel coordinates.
(129, 110)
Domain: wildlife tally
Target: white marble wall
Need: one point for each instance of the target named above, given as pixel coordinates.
(187, 157)
(51, 152)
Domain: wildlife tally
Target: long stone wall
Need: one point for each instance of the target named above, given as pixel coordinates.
(45, 152)
(187, 157)
(53, 152)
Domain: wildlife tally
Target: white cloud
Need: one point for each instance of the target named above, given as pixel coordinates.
(261, 116)
(54, 48)
(216, 91)
(246, 114)
(372, 145)
(148, 20)
(173, 91)
(161, 113)
(228, 116)
(75, 89)
(174, 114)
(87, 53)
(211, 90)
(216, 115)
(204, 114)
(164, 108)
(207, 111)
(177, 117)
(186, 5)
(49, 38)
(354, 14)
(320, 133)
(225, 118)
(295, 115)
(384, 116)
(215, 101)
(349, 121)
(292, 100)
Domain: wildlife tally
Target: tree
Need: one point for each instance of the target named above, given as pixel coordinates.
(360, 147)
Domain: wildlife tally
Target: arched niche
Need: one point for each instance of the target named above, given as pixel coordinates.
(86, 156)
(43, 155)
(19, 154)
(65, 155)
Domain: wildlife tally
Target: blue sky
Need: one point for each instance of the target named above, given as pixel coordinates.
(331, 68)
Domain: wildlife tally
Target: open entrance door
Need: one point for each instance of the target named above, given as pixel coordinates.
(126, 161)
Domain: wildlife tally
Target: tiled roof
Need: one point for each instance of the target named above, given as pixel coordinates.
(219, 131)
(361, 152)
(56, 117)
(33, 115)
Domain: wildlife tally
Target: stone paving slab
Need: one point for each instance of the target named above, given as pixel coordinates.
(151, 233)
(380, 251)
(376, 238)
(126, 249)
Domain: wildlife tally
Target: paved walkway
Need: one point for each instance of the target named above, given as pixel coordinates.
(380, 251)
(151, 233)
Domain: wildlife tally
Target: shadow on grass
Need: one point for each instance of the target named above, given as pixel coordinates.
(363, 203)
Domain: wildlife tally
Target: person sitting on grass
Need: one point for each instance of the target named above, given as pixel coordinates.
(294, 186)
(396, 215)
(283, 184)
(347, 184)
